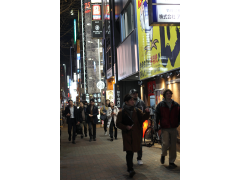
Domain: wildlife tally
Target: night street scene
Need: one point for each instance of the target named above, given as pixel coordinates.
(119, 90)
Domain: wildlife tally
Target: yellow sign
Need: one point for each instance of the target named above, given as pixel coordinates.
(159, 46)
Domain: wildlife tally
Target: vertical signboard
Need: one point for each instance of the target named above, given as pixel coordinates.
(96, 21)
(75, 30)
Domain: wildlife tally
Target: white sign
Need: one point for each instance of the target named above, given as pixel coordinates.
(118, 99)
(109, 95)
(100, 85)
(168, 13)
(109, 73)
(96, 1)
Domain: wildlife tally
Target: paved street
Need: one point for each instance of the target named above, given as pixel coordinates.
(106, 160)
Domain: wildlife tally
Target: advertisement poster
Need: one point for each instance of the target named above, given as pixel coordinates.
(151, 87)
(96, 12)
(159, 46)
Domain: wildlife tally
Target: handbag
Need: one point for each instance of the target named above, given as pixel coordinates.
(103, 117)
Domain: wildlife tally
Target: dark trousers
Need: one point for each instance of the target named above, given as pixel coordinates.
(105, 124)
(72, 125)
(129, 159)
(112, 125)
(92, 130)
(139, 157)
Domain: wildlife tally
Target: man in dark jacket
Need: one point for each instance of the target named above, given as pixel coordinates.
(83, 119)
(141, 105)
(130, 120)
(72, 120)
(168, 113)
(92, 120)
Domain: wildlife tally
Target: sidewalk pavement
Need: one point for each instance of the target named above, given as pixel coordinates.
(106, 160)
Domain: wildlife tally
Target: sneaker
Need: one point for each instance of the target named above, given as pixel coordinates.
(94, 139)
(90, 139)
(115, 138)
(105, 133)
(111, 139)
(162, 160)
(85, 135)
(81, 136)
(73, 142)
(172, 165)
(140, 162)
(69, 138)
(131, 173)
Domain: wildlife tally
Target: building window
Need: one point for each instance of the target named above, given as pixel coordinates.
(127, 22)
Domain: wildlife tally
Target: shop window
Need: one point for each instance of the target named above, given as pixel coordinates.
(127, 22)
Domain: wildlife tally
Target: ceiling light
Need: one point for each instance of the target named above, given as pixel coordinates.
(136, 76)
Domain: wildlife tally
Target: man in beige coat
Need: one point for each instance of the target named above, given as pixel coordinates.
(130, 120)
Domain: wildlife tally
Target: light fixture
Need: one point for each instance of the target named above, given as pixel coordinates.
(169, 75)
(178, 73)
(136, 76)
(89, 24)
(71, 12)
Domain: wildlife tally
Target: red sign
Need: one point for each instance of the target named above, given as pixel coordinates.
(151, 87)
(96, 12)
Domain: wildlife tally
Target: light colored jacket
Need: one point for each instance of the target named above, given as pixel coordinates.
(109, 112)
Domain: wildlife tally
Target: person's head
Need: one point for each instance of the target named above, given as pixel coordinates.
(134, 93)
(167, 94)
(128, 99)
(92, 102)
(70, 102)
(107, 102)
(111, 104)
(81, 104)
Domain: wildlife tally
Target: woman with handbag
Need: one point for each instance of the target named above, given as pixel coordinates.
(103, 116)
(112, 119)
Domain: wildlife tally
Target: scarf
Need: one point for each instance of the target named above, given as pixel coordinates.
(129, 109)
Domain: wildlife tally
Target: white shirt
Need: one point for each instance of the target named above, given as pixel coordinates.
(72, 112)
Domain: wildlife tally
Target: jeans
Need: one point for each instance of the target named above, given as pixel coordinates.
(72, 125)
(105, 124)
(112, 125)
(92, 130)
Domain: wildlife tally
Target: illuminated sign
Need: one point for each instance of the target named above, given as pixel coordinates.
(163, 12)
(100, 85)
(87, 8)
(75, 31)
(96, 12)
(78, 60)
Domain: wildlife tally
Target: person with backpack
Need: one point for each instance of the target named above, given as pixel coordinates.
(130, 120)
(103, 112)
(141, 105)
(112, 118)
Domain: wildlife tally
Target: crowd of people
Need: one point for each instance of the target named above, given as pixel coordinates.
(129, 120)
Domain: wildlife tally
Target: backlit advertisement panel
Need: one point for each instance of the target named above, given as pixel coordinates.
(96, 11)
(159, 46)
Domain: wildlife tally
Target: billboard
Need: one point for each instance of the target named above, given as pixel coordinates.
(158, 46)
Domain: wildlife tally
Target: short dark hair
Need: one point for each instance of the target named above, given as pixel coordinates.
(70, 100)
(165, 91)
(91, 100)
(127, 97)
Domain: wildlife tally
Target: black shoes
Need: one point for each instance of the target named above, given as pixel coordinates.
(172, 165)
(69, 138)
(94, 139)
(90, 140)
(73, 142)
(162, 159)
(131, 173)
(115, 138)
(85, 135)
(111, 139)
(81, 136)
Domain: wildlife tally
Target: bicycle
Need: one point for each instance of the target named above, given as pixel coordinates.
(150, 136)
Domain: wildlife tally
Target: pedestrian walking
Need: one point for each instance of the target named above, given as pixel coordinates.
(103, 116)
(168, 113)
(72, 120)
(83, 119)
(130, 120)
(92, 120)
(141, 105)
(112, 119)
